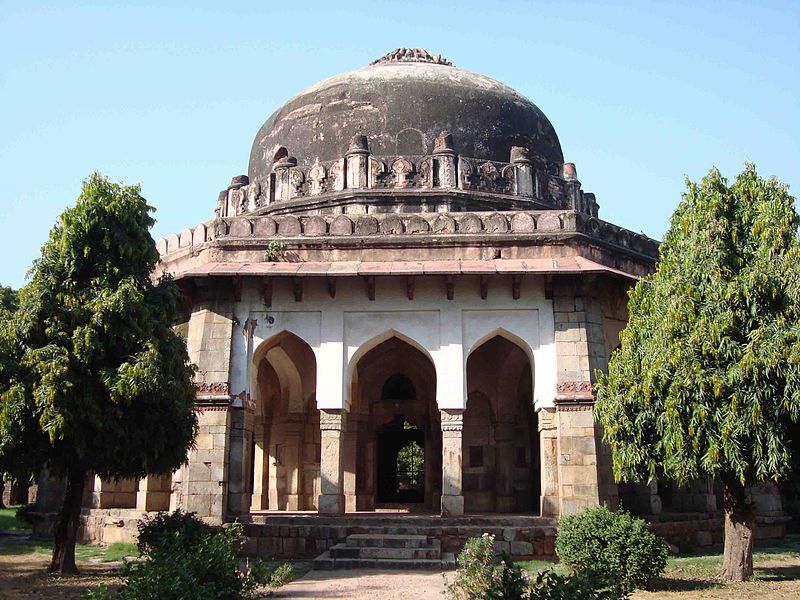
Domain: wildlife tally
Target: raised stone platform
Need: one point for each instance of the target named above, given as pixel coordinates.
(282, 535)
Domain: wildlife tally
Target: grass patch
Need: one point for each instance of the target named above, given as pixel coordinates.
(83, 552)
(9, 520)
(699, 569)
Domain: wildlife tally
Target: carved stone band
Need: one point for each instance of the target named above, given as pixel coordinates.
(331, 420)
(452, 419)
(205, 389)
(572, 387)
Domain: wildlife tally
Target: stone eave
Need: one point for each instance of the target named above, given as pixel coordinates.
(535, 266)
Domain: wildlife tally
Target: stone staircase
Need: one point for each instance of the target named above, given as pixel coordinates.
(386, 551)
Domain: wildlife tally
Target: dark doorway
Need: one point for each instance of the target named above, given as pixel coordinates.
(401, 463)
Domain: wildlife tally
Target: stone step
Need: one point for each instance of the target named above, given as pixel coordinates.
(325, 562)
(371, 540)
(344, 551)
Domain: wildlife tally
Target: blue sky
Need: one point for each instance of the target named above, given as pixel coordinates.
(171, 95)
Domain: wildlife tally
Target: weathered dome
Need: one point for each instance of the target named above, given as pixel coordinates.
(402, 102)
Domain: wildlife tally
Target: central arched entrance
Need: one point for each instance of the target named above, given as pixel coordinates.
(393, 441)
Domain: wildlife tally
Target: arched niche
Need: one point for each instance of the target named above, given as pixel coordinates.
(286, 446)
(500, 444)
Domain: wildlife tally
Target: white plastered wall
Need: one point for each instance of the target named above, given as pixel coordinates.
(342, 329)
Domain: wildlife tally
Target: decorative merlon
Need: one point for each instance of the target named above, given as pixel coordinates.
(517, 223)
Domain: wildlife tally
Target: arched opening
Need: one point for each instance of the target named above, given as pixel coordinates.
(500, 439)
(393, 442)
(286, 440)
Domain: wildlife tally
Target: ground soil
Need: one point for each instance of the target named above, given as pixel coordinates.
(773, 580)
(23, 576)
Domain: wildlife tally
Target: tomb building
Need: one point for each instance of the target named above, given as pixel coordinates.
(401, 307)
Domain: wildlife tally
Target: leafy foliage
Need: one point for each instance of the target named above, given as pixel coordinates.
(185, 559)
(185, 528)
(618, 548)
(92, 376)
(93, 379)
(584, 585)
(9, 298)
(482, 576)
(707, 379)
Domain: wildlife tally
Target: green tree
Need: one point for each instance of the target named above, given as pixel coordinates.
(9, 298)
(93, 379)
(707, 379)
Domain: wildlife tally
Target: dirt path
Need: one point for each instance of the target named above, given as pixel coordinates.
(366, 585)
(24, 577)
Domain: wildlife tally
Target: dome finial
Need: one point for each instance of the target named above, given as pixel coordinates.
(412, 55)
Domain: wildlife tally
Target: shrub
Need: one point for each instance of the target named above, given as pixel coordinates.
(271, 574)
(185, 559)
(617, 547)
(173, 569)
(184, 528)
(585, 585)
(482, 576)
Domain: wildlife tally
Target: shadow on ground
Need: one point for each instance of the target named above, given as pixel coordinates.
(674, 584)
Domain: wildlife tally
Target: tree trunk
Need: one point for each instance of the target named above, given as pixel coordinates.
(65, 530)
(2, 489)
(740, 520)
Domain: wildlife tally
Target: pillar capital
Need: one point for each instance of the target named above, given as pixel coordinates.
(331, 419)
(547, 419)
(452, 419)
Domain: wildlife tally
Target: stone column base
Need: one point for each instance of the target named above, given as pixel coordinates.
(548, 506)
(292, 501)
(452, 506)
(331, 504)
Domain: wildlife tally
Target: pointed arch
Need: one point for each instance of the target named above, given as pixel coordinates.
(374, 342)
(500, 440)
(286, 433)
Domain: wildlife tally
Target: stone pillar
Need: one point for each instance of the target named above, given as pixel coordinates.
(452, 495)
(331, 500)
(176, 488)
(205, 477)
(154, 493)
(283, 184)
(239, 467)
(292, 463)
(209, 345)
(524, 171)
(261, 467)
(350, 449)
(580, 349)
(357, 160)
(572, 187)
(444, 157)
(548, 447)
(504, 467)
(707, 499)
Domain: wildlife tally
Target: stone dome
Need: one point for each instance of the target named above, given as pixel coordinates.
(401, 103)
